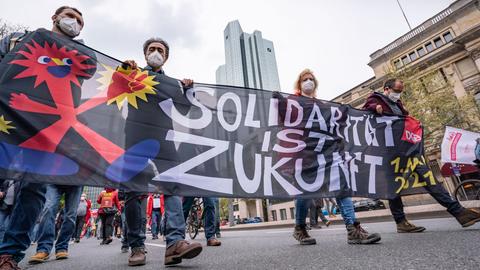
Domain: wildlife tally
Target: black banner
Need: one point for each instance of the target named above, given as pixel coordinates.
(71, 115)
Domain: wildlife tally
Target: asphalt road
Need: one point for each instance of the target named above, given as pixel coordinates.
(445, 245)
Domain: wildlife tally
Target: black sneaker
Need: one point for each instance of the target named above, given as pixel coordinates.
(301, 235)
(124, 249)
(358, 235)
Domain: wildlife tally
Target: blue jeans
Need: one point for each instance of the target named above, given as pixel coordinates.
(46, 231)
(208, 214)
(345, 204)
(4, 220)
(174, 220)
(27, 208)
(216, 201)
(156, 222)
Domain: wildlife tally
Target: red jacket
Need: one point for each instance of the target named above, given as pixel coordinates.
(378, 99)
(89, 213)
(150, 205)
(114, 196)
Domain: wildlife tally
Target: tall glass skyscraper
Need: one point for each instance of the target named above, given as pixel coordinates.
(249, 60)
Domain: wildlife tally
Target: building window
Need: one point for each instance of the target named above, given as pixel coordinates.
(429, 47)
(405, 60)
(438, 42)
(226, 37)
(397, 64)
(283, 214)
(421, 52)
(448, 37)
(466, 67)
(274, 215)
(413, 56)
(235, 207)
(292, 212)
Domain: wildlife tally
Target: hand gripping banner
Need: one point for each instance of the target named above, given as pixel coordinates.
(72, 115)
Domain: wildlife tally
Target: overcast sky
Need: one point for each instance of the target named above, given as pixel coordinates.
(334, 38)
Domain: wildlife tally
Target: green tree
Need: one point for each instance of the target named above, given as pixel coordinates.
(429, 97)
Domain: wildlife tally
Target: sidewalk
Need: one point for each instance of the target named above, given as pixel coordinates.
(413, 212)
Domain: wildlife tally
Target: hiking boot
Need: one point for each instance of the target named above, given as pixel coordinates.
(213, 242)
(39, 257)
(8, 263)
(468, 217)
(358, 235)
(61, 255)
(406, 227)
(300, 233)
(124, 249)
(182, 250)
(137, 257)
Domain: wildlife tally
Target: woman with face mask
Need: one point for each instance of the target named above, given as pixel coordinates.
(306, 86)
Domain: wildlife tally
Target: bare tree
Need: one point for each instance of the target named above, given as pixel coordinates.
(7, 28)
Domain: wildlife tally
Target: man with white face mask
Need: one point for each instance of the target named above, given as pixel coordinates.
(389, 102)
(156, 52)
(30, 198)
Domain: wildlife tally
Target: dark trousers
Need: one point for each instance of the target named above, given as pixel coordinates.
(136, 218)
(438, 192)
(79, 222)
(107, 225)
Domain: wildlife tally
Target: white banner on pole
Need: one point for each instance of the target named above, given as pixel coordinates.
(458, 146)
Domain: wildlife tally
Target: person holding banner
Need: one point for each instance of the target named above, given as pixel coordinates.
(68, 22)
(156, 52)
(306, 86)
(389, 103)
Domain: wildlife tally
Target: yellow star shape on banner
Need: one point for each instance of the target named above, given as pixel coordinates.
(4, 125)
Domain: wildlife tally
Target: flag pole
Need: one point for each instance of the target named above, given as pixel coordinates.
(404, 16)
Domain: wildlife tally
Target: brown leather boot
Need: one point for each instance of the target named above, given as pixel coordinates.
(8, 263)
(182, 250)
(137, 257)
(468, 217)
(213, 242)
(406, 227)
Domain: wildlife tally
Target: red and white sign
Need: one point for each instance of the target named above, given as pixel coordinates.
(458, 146)
(413, 131)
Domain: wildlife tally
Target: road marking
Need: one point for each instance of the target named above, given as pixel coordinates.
(319, 230)
(154, 245)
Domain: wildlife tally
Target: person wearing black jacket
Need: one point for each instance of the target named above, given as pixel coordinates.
(156, 51)
(389, 102)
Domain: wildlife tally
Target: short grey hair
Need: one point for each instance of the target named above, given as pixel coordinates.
(156, 39)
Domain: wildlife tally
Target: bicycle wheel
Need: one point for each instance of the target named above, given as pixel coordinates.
(193, 226)
(468, 192)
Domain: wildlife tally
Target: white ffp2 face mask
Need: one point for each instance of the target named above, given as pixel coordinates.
(155, 59)
(308, 86)
(393, 96)
(69, 26)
